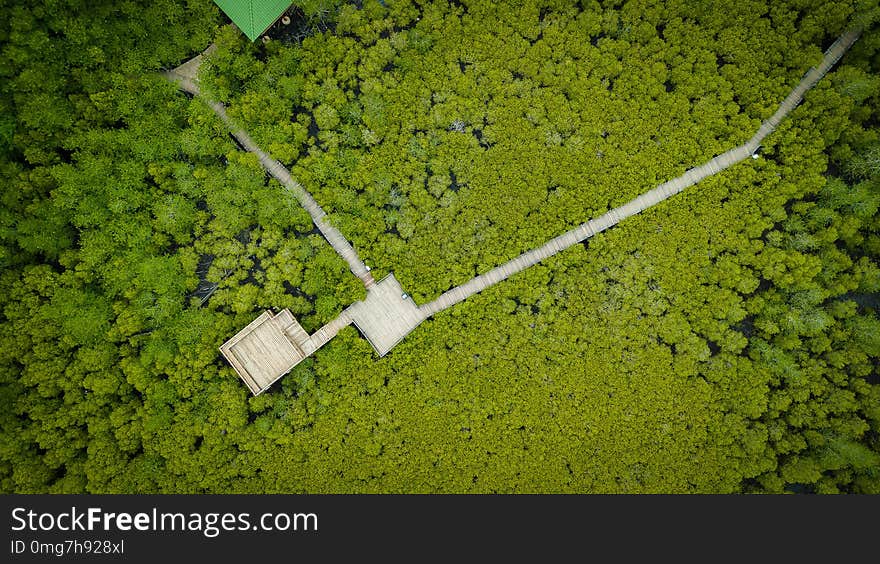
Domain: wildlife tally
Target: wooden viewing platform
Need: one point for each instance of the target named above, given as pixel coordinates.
(271, 345)
(265, 350)
(386, 316)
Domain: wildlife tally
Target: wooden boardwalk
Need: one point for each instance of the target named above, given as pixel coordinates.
(271, 345)
(649, 198)
(186, 78)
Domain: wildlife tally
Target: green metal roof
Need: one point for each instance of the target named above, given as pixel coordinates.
(253, 17)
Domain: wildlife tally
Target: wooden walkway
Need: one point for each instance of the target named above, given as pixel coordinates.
(186, 78)
(271, 345)
(650, 198)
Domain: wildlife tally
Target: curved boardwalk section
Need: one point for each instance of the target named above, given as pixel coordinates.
(650, 198)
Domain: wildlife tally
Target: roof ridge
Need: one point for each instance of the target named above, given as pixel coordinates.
(253, 24)
(253, 17)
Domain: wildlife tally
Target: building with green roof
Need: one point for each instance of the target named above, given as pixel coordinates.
(254, 17)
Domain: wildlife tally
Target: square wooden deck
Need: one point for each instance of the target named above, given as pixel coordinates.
(262, 352)
(386, 316)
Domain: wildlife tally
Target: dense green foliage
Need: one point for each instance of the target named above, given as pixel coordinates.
(726, 340)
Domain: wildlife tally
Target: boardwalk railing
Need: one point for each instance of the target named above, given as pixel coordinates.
(650, 198)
